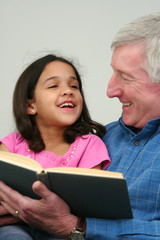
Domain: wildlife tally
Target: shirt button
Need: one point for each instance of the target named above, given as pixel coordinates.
(137, 143)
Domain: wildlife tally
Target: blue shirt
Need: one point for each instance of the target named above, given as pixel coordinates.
(137, 156)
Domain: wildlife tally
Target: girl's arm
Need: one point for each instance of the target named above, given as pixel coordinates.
(98, 167)
(3, 148)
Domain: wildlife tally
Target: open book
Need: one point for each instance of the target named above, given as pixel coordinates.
(88, 192)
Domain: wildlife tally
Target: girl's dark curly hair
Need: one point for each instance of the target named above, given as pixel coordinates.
(26, 125)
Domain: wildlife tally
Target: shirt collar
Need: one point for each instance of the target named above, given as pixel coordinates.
(152, 126)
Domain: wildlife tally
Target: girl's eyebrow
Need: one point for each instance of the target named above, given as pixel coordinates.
(49, 79)
(56, 77)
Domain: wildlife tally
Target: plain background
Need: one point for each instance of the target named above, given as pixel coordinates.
(79, 29)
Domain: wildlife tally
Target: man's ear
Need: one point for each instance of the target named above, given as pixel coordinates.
(31, 110)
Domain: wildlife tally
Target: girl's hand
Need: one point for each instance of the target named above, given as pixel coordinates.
(50, 214)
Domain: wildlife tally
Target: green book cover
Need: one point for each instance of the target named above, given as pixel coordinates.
(88, 192)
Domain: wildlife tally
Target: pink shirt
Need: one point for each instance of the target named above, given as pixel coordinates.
(85, 152)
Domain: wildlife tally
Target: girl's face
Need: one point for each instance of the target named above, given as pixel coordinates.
(57, 99)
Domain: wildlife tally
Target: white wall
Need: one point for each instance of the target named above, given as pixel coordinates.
(80, 29)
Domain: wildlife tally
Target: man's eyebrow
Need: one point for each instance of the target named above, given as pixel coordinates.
(124, 72)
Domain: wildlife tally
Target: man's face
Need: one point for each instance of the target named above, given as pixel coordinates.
(131, 84)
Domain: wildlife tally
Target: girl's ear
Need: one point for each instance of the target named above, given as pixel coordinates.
(31, 110)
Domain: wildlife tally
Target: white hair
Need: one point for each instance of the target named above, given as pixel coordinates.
(143, 30)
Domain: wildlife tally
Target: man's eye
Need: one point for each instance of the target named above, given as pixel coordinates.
(127, 78)
(124, 77)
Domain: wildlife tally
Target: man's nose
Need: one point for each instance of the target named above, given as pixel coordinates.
(114, 88)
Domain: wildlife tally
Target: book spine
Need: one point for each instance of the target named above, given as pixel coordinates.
(43, 177)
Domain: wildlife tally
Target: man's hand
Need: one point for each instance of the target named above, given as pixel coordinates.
(6, 218)
(50, 214)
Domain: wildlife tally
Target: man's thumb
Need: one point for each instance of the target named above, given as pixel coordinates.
(40, 189)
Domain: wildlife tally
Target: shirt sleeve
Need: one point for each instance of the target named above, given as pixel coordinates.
(122, 229)
(94, 152)
(11, 141)
(8, 141)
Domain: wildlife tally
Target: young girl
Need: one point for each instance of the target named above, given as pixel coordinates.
(52, 119)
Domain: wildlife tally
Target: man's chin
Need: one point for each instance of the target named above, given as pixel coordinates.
(135, 128)
(127, 121)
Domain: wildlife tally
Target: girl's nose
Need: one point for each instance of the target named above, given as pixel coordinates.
(67, 91)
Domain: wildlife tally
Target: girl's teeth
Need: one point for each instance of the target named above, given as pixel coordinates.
(66, 105)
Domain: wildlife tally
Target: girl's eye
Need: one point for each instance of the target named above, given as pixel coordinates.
(75, 86)
(53, 86)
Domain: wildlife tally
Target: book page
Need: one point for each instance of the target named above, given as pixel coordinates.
(31, 164)
(20, 160)
(84, 171)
